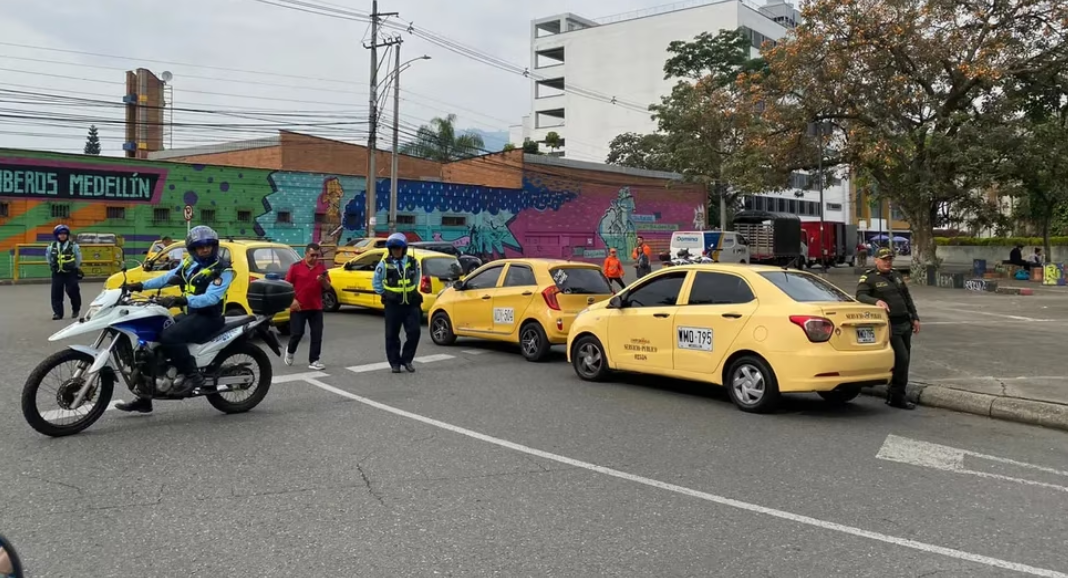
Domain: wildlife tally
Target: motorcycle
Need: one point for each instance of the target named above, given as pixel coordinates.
(127, 348)
(683, 257)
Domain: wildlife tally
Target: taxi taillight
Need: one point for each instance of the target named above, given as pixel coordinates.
(549, 294)
(817, 329)
(424, 285)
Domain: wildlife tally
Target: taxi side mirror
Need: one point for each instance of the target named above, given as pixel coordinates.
(615, 302)
(458, 285)
(147, 266)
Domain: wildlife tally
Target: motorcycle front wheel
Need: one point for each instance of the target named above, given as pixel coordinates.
(54, 378)
(244, 358)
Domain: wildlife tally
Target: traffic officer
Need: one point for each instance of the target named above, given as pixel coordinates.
(204, 277)
(65, 260)
(396, 279)
(885, 287)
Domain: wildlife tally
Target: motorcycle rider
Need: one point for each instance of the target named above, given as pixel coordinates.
(64, 259)
(205, 278)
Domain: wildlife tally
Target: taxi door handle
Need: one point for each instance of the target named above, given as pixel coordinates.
(485, 296)
(527, 293)
(662, 315)
(732, 315)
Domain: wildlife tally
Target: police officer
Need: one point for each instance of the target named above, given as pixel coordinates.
(886, 288)
(65, 260)
(204, 277)
(397, 281)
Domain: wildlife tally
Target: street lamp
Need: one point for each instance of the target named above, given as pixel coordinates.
(398, 68)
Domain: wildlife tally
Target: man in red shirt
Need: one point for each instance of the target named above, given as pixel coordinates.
(309, 279)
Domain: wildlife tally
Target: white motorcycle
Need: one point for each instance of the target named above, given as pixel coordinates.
(81, 379)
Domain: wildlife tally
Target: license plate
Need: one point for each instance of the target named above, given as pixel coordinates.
(865, 335)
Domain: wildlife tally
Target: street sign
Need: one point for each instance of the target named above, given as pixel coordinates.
(188, 213)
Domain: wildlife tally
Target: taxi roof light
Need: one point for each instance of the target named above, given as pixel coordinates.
(817, 329)
(549, 294)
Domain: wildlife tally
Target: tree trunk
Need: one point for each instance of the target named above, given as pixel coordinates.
(1045, 236)
(723, 212)
(924, 251)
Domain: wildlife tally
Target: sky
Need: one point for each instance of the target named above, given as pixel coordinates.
(244, 68)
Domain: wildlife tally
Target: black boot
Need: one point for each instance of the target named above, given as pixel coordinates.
(74, 315)
(395, 368)
(56, 317)
(138, 404)
(409, 367)
(899, 401)
(193, 380)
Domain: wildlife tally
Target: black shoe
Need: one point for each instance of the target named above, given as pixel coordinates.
(192, 381)
(74, 315)
(409, 367)
(57, 317)
(900, 403)
(139, 405)
(395, 368)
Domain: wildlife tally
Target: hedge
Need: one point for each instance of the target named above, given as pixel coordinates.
(998, 241)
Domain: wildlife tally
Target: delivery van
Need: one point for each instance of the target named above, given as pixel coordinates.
(721, 246)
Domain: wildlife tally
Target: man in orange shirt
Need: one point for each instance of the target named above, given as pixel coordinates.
(643, 257)
(613, 269)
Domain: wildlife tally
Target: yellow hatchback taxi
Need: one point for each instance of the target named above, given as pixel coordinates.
(758, 330)
(251, 260)
(530, 302)
(356, 247)
(352, 281)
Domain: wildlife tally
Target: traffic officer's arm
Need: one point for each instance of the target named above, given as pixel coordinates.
(163, 280)
(911, 306)
(77, 255)
(215, 294)
(377, 281)
(51, 259)
(866, 290)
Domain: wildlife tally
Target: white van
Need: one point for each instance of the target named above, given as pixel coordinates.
(722, 246)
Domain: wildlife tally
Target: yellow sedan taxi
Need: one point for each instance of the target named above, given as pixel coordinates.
(252, 259)
(530, 302)
(760, 331)
(356, 247)
(352, 281)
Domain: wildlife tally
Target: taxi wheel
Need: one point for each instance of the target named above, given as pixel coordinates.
(330, 302)
(533, 342)
(840, 396)
(752, 385)
(589, 359)
(441, 329)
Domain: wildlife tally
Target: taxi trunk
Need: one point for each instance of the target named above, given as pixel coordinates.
(858, 326)
(577, 286)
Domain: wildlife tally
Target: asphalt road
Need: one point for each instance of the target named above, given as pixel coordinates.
(484, 464)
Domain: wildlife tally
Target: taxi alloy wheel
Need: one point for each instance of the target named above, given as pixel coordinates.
(589, 359)
(752, 385)
(330, 302)
(441, 332)
(533, 342)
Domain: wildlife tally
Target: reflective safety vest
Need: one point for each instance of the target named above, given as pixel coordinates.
(199, 283)
(401, 285)
(63, 258)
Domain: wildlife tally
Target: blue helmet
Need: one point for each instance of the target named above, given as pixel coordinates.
(397, 240)
(60, 230)
(202, 236)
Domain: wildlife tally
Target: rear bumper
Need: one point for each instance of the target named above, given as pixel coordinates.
(800, 372)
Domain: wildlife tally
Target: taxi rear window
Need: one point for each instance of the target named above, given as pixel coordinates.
(581, 281)
(446, 268)
(805, 288)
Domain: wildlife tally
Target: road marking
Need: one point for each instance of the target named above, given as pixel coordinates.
(68, 413)
(290, 377)
(949, 459)
(1000, 315)
(926, 323)
(738, 504)
(474, 351)
(385, 365)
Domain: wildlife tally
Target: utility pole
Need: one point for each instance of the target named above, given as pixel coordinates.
(372, 138)
(396, 142)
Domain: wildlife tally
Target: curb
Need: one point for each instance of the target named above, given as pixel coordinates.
(1027, 411)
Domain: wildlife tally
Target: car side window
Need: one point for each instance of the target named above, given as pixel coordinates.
(486, 279)
(519, 276)
(365, 263)
(663, 291)
(719, 289)
(169, 259)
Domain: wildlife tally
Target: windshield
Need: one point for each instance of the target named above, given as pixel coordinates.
(271, 259)
(805, 288)
(581, 281)
(360, 243)
(444, 268)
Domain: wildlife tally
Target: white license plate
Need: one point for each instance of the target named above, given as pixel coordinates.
(865, 335)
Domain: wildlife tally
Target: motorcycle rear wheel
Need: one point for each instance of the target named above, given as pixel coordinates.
(30, 411)
(263, 383)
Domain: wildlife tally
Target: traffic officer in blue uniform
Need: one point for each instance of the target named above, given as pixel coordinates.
(885, 287)
(396, 279)
(204, 278)
(65, 260)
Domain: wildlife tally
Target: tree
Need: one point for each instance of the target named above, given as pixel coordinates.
(92, 142)
(531, 147)
(553, 141)
(509, 147)
(439, 142)
(914, 91)
(639, 151)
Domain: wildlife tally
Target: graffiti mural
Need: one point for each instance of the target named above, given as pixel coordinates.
(141, 201)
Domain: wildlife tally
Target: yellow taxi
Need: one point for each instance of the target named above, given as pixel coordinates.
(758, 330)
(530, 302)
(251, 259)
(356, 247)
(352, 281)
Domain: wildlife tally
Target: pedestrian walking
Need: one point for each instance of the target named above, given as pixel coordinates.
(65, 260)
(613, 269)
(885, 287)
(309, 280)
(642, 256)
(397, 281)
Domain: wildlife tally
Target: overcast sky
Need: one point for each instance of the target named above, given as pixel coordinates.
(296, 48)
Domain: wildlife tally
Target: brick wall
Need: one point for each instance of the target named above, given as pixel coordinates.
(317, 155)
(501, 170)
(258, 158)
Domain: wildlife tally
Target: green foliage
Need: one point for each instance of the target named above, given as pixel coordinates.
(440, 142)
(553, 140)
(998, 241)
(92, 142)
(531, 147)
(639, 151)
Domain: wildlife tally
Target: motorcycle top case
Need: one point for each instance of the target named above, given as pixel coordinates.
(270, 296)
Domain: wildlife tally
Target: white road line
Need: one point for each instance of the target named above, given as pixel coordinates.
(999, 315)
(290, 377)
(801, 519)
(54, 414)
(926, 323)
(433, 358)
(385, 365)
(474, 351)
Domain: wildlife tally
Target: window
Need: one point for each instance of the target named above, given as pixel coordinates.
(439, 248)
(364, 263)
(118, 213)
(659, 292)
(60, 211)
(444, 268)
(791, 207)
(168, 260)
(486, 279)
(5, 210)
(581, 281)
(405, 219)
(453, 221)
(285, 217)
(805, 288)
(244, 216)
(834, 206)
(207, 216)
(719, 289)
(519, 276)
(161, 215)
(271, 259)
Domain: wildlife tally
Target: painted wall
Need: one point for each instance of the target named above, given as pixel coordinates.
(142, 201)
